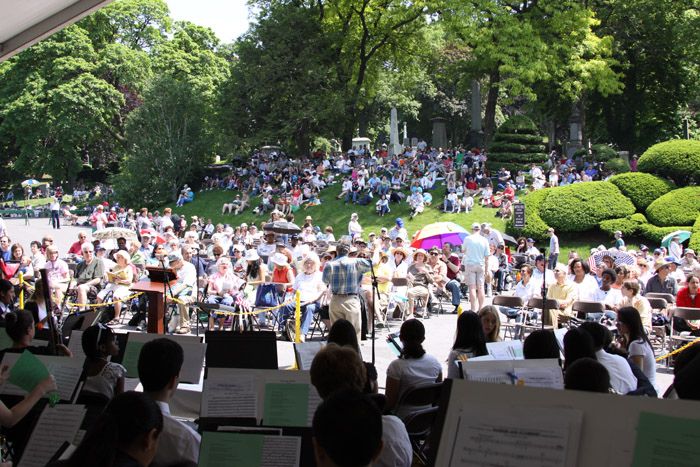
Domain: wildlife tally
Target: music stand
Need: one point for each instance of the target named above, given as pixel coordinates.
(247, 349)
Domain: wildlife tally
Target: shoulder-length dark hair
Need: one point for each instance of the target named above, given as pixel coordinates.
(470, 334)
(630, 317)
(412, 335)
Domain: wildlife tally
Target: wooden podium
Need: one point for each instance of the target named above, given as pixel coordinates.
(156, 302)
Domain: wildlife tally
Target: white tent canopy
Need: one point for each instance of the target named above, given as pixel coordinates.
(25, 22)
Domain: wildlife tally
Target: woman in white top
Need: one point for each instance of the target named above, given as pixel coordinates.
(102, 376)
(413, 368)
(584, 284)
(636, 342)
(354, 227)
(309, 283)
(223, 286)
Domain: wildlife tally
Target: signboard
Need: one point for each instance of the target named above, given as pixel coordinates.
(519, 215)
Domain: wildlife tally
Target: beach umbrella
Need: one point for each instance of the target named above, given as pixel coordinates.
(30, 182)
(619, 257)
(439, 233)
(113, 233)
(682, 234)
(282, 227)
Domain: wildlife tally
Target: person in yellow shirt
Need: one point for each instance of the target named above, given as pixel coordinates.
(565, 293)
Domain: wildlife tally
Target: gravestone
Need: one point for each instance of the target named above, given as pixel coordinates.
(394, 145)
(439, 139)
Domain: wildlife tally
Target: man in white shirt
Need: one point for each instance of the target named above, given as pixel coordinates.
(553, 249)
(476, 251)
(398, 230)
(183, 290)
(622, 380)
(159, 365)
(532, 251)
(539, 274)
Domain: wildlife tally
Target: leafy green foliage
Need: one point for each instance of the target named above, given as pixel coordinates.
(656, 234)
(641, 188)
(678, 207)
(603, 152)
(678, 160)
(627, 225)
(518, 138)
(694, 242)
(535, 227)
(517, 156)
(582, 206)
(618, 165)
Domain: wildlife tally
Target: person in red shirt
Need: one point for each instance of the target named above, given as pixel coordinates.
(688, 297)
(76, 248)
(509, 192)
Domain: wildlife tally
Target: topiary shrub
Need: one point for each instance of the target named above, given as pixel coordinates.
(535, 227)
(617, 166)
(677, 207)
(626, 225)
(678, 160)
(639, 218)
(516, 144)
(641, 188)
(583, 206)
(694, 241)
(656, 234)
(603, 153)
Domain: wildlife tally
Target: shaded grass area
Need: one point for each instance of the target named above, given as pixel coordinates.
(41, 201)
(336, 213)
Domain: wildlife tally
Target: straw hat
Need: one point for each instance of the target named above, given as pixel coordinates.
(401, 250)
(660, 263)
(420, 251)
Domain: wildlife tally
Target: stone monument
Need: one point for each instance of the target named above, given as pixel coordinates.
(394, 145)
(439, 139)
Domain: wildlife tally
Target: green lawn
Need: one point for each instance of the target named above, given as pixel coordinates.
(336, 213)
(42, 201)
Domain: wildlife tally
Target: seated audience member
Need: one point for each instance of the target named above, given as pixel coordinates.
(19, 325)
(119, 279)
(661, 282)
(412, 368)
(564, 293)
(631, 297)
(88, 274)
(622, 375)
(469, 342)
(159, 367)
(347, 429)
(541, 343)
(635, 342)
(689, 297)
(127, 434)
(342, 333)
(577, 344)
(587, 374)
(336, 368)
(490, 323)
(102, 376)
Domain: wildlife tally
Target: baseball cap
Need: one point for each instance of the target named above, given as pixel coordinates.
(476, 226)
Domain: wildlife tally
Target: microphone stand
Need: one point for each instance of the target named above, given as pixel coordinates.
(375, 296)
(544, 288)
(166, 288)
(196, 292)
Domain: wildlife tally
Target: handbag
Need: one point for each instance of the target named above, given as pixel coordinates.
(266, 296)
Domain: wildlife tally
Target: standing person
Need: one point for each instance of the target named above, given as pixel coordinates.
(675, 248)
(553, 249)
(55, 213)
(619, 242)
(476, 251)
(343, 275)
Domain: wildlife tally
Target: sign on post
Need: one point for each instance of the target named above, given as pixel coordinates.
(519, 215)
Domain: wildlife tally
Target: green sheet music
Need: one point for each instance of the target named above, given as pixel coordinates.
(219, 449)
(131, 358)
(286, 404)
(664, 440)
(28, 371)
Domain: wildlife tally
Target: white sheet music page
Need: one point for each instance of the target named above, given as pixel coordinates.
(224, 395)
(306, 351)
(75, 344)
(281, 451)
(505, 350)
(55, 426)
(551, 378)
(488, 376)
(497, 436)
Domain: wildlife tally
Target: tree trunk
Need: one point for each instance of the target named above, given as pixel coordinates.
(491, 102)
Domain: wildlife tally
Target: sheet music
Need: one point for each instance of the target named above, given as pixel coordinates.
(551, 378)
(75, 344)
(65, 370)
(192, 347)
(281, 451)
(505, 350)
(559, 334)
(224, 396)
(500, 436)
(305, 353)
(488, 376)
(55, 426)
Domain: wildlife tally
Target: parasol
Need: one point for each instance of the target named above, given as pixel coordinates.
(682, 234)
(619, 257)
(282, 227)
(113, 233)
(31, 182)
(439, 233)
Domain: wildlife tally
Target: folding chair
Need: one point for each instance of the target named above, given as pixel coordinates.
(582, 308)
(658, 332)
(509, 302)
(427, 394)
(539, 304)
(418, 426)
(682, 313)
(397, 299)
(670, 299)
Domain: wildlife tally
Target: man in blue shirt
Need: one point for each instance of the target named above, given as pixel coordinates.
(343, 275)
(5, 248)
(476, 250)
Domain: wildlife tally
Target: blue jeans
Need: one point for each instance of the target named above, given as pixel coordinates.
(597, 316)
(453, 287)
(56, 219)
(553, 257)
(307, 314)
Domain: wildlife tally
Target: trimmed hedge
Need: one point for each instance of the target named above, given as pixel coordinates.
(520, 158)
(626, 225)
(519, 124)
(535, 227)
(641, 188)
(656, 234)
(617, 166)
(506, 147)
(694, 242)
(583, 206)
(603, 152)
(678, 160)
(677, 207)
(519, 138)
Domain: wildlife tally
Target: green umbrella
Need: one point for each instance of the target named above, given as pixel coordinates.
(682, 235)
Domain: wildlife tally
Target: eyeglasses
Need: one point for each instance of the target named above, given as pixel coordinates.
(434, 254)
